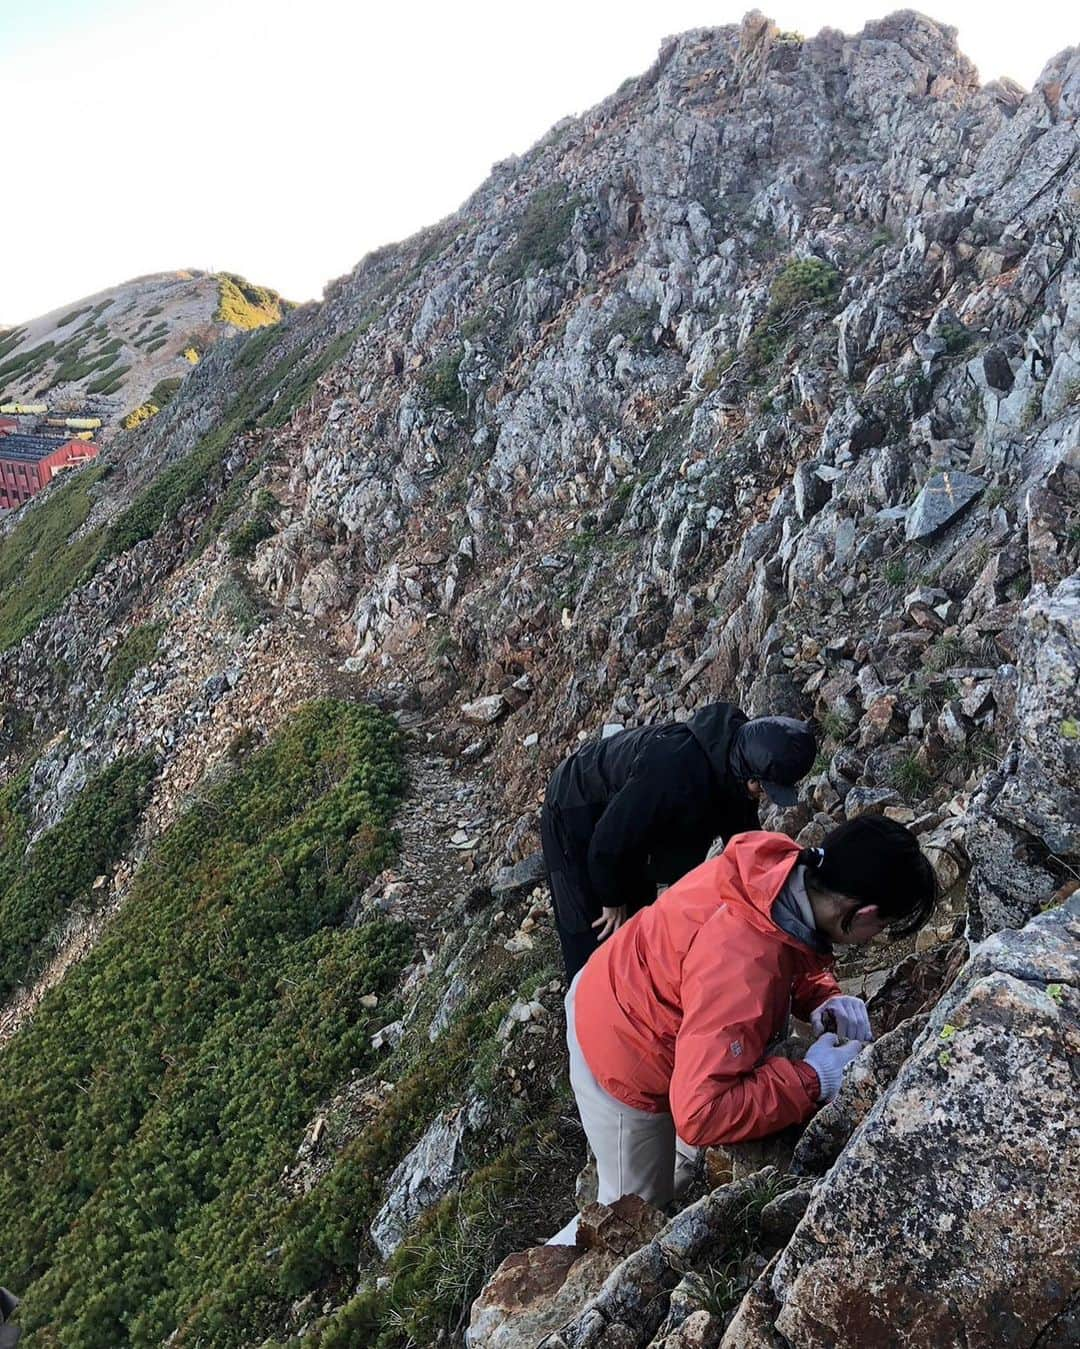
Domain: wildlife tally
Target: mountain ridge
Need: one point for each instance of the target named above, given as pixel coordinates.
(663, 414)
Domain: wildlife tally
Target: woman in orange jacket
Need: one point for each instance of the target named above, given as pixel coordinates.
(669, 1023)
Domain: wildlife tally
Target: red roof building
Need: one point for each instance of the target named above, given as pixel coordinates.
(29, 463)
(8, 424)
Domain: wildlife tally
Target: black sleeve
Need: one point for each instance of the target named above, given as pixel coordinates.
(740, 818)
(654, 799)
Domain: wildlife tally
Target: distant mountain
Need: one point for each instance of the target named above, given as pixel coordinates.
(125, 350)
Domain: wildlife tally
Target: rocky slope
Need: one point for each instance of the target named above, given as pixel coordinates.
(110, 352)
(760, 380)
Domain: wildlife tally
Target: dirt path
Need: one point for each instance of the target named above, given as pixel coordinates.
(444, 827)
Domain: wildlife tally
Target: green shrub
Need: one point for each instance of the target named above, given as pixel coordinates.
(10, 340)
(135, 651)
(40, 558)
(59, 568)
(293, 378)
(164, 498)
(438, 1271)
(246, 538)
(149, 1109)
(635, 322)
(802, 281)
(542, 231)
(106, 384)
(62, 865)
(164, 391)
(75, 314)
(440, 385)
(27, 364)
(956, 337)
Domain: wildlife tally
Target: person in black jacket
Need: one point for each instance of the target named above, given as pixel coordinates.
(641, 808)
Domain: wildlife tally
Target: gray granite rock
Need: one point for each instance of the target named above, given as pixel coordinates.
(941, 500)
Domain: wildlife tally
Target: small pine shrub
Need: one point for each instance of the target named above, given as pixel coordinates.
(75, 314)
(802, 281)
(10, 340)
(246, 538)
(956, 337)
(542, 231)
(61, 867)
(41, 557)
(440, 384)
(107, 384)
(164, 391)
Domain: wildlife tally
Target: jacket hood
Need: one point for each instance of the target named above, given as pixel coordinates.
(758, 866)
(714, 727)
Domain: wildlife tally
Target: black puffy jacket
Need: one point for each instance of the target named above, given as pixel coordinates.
(641, 809)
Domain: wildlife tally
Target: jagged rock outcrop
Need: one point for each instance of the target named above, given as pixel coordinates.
(956, 1202)
(426, 1174)
(1025, 820)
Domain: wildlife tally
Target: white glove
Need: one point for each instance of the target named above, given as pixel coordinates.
(850, 1014)
(828, 1058)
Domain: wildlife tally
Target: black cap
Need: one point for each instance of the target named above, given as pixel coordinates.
(777, 752)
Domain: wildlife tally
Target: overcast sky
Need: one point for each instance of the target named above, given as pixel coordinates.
(285, 139)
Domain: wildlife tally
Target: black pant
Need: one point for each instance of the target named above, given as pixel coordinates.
(577, 947)
(573, 904)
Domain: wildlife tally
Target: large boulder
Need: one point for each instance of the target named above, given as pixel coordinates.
(1028, 812)
(427, 1173)
(535, 1291)
(953, 1215)
(1043, 797)
(944, 497)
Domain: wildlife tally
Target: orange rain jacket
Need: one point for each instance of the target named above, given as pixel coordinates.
(675, 1011)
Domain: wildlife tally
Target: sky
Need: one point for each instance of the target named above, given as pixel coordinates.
(284, 139)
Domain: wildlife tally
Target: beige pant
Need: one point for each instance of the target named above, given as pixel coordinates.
(637, 1152)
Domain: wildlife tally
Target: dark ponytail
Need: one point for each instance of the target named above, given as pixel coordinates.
(877, 861)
